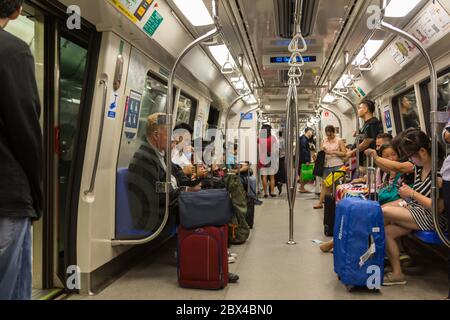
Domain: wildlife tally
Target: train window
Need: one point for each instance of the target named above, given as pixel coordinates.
(187, 108)
(406, 112)
(213, 118)
(443, 97)
(153, 100)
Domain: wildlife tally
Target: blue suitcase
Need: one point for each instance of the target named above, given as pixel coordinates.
(359, 243)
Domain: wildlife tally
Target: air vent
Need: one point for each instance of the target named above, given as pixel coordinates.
(285, 10)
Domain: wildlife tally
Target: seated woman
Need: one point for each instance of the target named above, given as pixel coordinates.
(413, 211)
(335, 152)
(387, 152)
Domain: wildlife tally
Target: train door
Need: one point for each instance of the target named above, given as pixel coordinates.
(64, 67)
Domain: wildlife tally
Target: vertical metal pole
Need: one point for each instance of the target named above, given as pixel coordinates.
(434, 123)
(337, 117)
(169, 109)
(357, 125)
(292, 161)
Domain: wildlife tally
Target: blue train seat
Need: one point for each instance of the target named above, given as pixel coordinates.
(124, 223)
(428, 237)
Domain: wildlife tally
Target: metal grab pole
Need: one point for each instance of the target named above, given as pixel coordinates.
(292, 161)
(335, 114)
(227, 118)
(434, 123)
(357, 125)
(239, 134)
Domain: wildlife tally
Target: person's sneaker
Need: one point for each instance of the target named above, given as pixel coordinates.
(258, 202)
(232, 254)
(232, 277)
(231, 259)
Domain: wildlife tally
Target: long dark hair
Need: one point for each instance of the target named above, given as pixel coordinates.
(414, 140)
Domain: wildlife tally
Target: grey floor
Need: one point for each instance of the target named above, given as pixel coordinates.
(270, 269)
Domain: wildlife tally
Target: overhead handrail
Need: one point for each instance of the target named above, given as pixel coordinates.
(295, 72)
(337, 117)
(227, 67)
(365, 60)
(293, 60)
(89, 193)
(294, 82)
(164, 187)
(435, 115)
(341, 91)
(298, 44)
(233, 103)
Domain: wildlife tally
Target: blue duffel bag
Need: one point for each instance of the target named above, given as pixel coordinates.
(206, 208)
(359, 243)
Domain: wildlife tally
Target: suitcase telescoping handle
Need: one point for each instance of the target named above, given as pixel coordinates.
(371, 179)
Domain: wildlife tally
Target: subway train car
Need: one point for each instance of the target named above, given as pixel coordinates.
(108, 71)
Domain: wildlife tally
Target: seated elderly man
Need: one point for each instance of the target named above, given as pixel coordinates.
(146, 169)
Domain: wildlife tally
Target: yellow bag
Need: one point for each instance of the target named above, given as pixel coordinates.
(337, 175)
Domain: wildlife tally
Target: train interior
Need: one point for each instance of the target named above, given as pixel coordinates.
(99, 82)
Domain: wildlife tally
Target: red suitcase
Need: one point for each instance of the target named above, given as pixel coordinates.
(203, 257)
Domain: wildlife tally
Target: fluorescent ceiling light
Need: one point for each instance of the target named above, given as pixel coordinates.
(221, 54)
(195, 11)
(329, 98)
(400, 8)
(371, 48)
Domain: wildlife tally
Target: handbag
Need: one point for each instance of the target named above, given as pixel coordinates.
(205, 208)
(390, 192)
(337, 175)
(307, 173)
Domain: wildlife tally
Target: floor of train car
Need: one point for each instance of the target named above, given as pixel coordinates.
(270, 269)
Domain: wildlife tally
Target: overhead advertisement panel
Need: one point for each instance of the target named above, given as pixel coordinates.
(143, 13)
(428, 27)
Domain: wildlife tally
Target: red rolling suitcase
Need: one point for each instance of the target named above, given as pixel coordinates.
(203, 257)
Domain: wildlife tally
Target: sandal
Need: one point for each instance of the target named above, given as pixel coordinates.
(318, 206)
(389, 280)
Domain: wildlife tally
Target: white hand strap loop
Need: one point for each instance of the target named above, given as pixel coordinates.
(298, 40)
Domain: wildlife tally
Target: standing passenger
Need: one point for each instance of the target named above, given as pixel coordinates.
(305, 153)
(21, 198)
(335, 152)
(369, 132)
(268, 146)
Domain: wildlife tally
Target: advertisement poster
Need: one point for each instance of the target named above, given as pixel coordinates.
(430, 26)
(132, 114)
(141, 12)
(388, 119)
